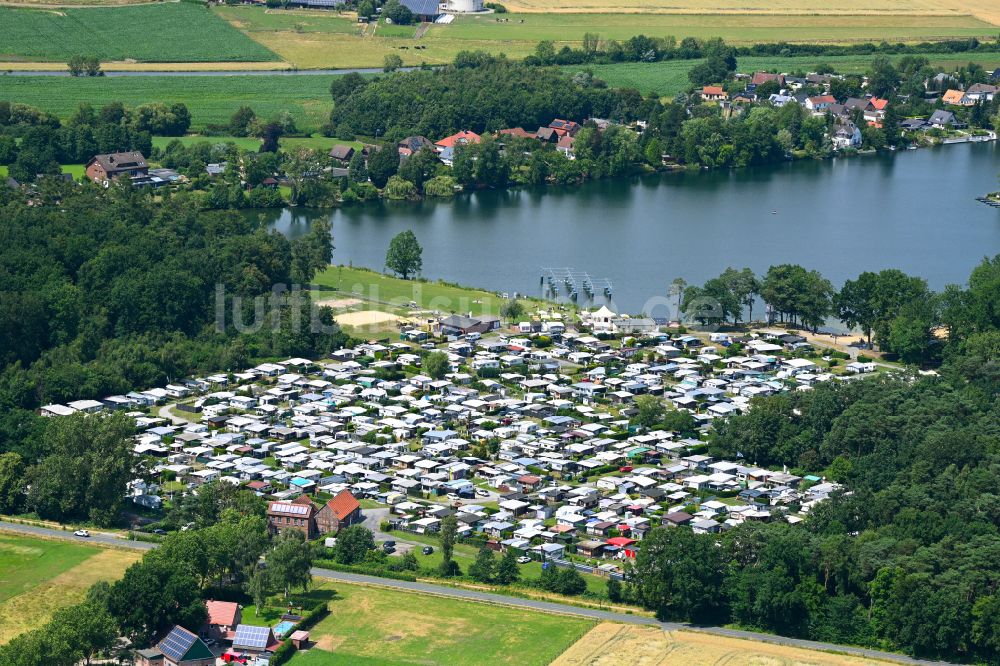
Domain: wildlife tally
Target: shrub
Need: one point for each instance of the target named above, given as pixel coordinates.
(440, 186)
(284, 653)
(399, 189)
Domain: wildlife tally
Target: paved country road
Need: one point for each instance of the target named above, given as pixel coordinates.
(529, 604)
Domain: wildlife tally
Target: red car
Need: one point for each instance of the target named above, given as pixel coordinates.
(232, 658)
(625, 469)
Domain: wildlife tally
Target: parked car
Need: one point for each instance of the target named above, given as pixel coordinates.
(482, 493)
(427, 550)
(453, 497)
(159, 531)
(524, 559)
(81, 533)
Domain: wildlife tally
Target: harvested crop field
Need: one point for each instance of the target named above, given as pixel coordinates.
(984, 9)
(610, 644)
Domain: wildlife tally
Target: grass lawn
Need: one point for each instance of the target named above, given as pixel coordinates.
(181, 31)
(370, 625)
(37, 577)
(369, 285)
(211, 100)
(27, 562)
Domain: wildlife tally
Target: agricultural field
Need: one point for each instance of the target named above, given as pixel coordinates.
(987, 10)
(37, 577)
(167, 32)
(315, 39)
(211, 100)
(609, 644)
(310, 39)
(372, 625)
(736, 29)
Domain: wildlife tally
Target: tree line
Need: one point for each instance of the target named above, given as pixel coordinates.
(897, 312)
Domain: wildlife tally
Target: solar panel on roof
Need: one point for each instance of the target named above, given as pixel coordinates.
(296, 509)
(253, 637)
(177, 643)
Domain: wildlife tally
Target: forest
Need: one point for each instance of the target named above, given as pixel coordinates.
(478, 92)
(906, 556)
(107, 291)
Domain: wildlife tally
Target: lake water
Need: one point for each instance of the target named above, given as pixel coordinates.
(912, 210)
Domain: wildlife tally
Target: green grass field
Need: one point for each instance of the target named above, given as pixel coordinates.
(25, 562)
(157, 33)
(211, 100)
(38, 577)
(370, 625)
(348, 282)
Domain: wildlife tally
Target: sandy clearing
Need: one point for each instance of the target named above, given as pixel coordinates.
(366, 318)
(338, 303)
(610, 644)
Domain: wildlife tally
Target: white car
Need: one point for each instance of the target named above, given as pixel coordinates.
(81, 533)
(524, 559)
(453, 497)
(482, 493)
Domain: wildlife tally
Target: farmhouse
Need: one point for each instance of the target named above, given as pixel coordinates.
(714, 94)
(180, 647)
(106, 168)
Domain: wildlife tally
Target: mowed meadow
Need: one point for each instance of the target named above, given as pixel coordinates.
(40, 576)
(210, 99)
(177, 31)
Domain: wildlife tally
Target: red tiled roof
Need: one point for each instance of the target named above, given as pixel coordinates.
(343, 505)
(518, 132)
(621, 542)
(713, 90)
(465, 136)
(222, 613)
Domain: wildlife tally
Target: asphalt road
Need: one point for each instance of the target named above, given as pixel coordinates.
(528, 604)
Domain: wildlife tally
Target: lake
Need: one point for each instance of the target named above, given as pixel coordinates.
(912, 210)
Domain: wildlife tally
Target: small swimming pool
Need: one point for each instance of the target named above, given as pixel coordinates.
(283, 628)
